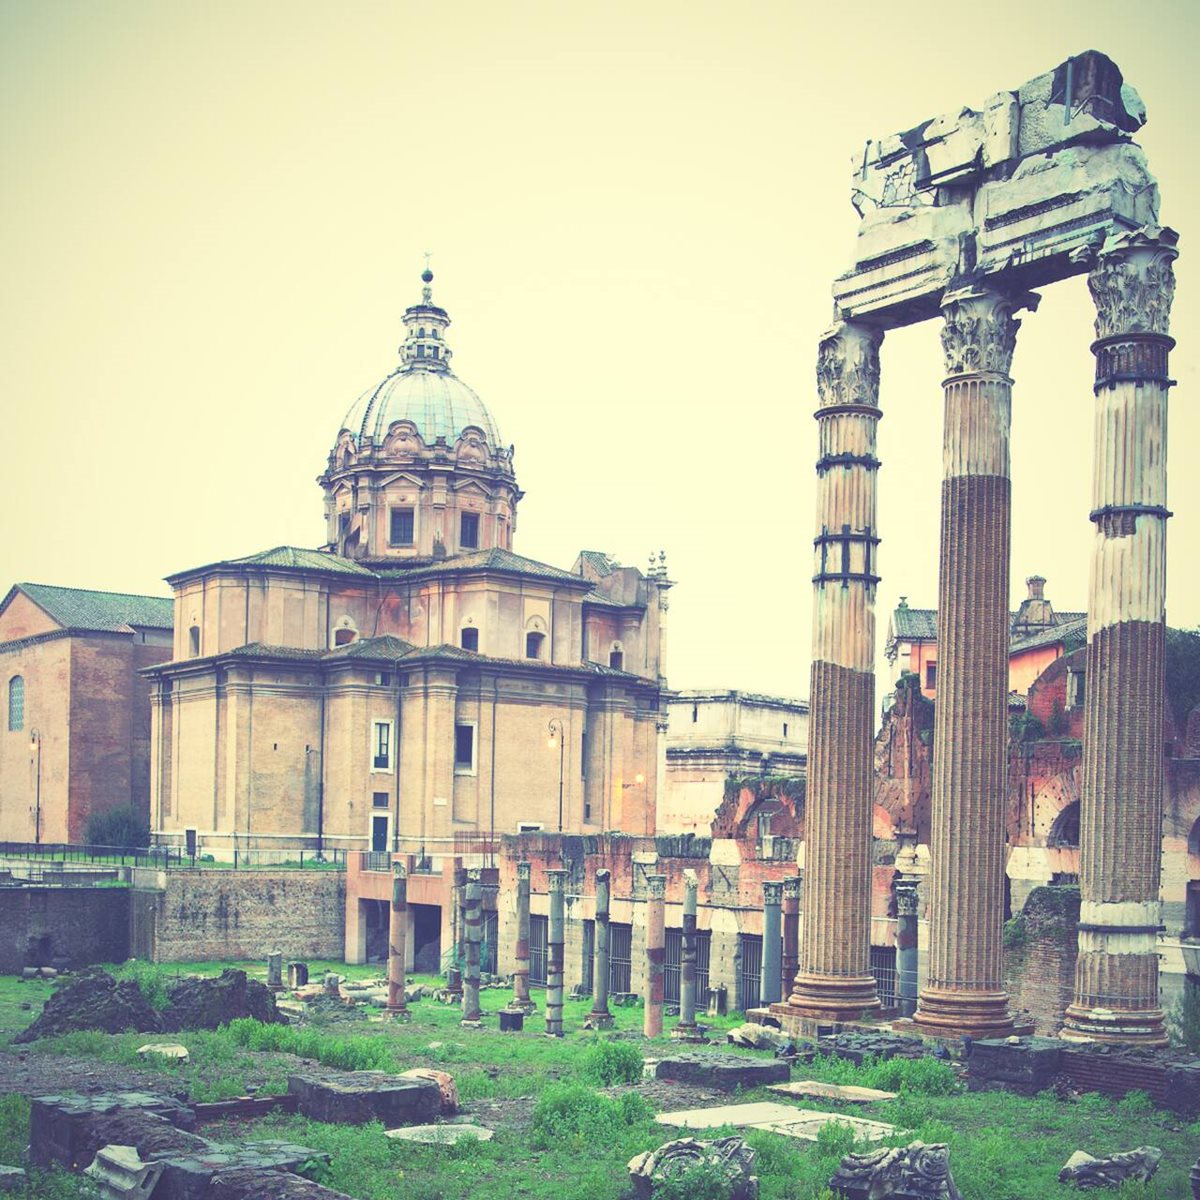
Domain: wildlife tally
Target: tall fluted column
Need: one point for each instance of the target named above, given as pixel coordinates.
(965, 990)
(473, 932)
(397, 1003)
(834, 980)
(1116, 973)
(685, 1028)
(555, 936)
(520, 1001)
(772, 944)
(600, 1017)
(791, 933)
(652, 1013)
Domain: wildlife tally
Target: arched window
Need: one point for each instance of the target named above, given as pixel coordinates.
(533, 644)
(16, 703)
(616, 660)
(194, 642)
(343, 637)
(421, 331)
(1064, 833)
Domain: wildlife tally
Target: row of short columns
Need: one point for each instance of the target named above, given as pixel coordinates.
(1116, 988)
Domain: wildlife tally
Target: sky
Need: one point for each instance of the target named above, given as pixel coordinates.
(212, 217)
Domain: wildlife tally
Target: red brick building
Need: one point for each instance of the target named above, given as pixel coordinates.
(76, 733)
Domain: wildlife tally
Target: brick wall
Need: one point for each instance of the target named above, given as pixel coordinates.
(62, 927)
(214, 914)
(1039, 961)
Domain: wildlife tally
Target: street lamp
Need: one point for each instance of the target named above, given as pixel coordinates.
(556, 728)
(35, 752)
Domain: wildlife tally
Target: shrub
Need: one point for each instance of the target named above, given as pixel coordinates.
(123, 828)
(924, 1076)
(704, 1180)
(607, 1061)
(573, 1112)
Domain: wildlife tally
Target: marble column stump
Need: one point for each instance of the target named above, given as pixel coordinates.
(555, 935)
(473, 934)
(652, 1013)
(686, 1029)
(397, 1001)
(600, 1017)
(521, 1001)
(772, 945)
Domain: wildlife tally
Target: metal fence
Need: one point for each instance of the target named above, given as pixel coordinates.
(674, 961)
(172, 857)
(620, 958)
(539, 928)
(883, 967)
(750, 976)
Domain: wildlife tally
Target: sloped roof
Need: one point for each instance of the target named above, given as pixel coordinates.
(600, 562)
(81, 608)
(288, 558)
(1072, 635)
(493, 559)
(914, 624)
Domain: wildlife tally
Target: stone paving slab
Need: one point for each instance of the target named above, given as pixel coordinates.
(776, 1118)
(831, 1091)
(440, 1135)
(726, 1072)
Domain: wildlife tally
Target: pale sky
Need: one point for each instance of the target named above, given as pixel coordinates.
(212, 216)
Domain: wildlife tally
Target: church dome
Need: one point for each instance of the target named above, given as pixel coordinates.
(423, 389)
(438, 403)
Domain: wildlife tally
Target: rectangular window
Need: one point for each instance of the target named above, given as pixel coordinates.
(468, 531)
(538, 931)
(930, 677)
(470, 638)
(379, 799)
(379, 834)
(381, 746)
(401, 531)
(464, 748)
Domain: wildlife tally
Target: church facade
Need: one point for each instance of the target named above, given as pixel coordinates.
(414, 680)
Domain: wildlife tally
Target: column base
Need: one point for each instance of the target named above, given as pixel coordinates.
(595, 1020)
(1114, 1027)
(941, 1014)
(525, 1007)
(687, 1033)
(397, 1013)
(832, 999)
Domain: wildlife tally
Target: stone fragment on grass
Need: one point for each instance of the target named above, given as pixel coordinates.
(11, 1179)
(726, 1167)
(208, 1003)
(913, 1172)
(167, 1050)
(758, 1037)
(264, 1183)
(94, 1000)
(356, 1097)
(802, 1123)
(440, 1135)
(831, 1091)
(446, 1086)
(121, 1171)
(1086, 1172)
(725, 1072)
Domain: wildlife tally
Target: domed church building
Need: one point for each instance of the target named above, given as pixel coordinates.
(413, 683)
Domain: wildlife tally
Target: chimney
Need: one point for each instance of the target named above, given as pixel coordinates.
(1036, 585)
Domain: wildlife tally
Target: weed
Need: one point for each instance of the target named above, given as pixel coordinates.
(573, 1112)
(607, 1061)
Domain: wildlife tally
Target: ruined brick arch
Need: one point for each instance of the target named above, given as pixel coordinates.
(1064, 833)
(1194, 844)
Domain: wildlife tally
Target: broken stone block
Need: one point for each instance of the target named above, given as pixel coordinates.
(857, 1047)
(208, 1003)
(94, 1000)
(67, 1131)
(189, 1176)
(1194, 1177)
(440, 1135)
(1085, 1172)
(1183, 1089)
(120, 1171)
(831, 1091)
(297, 974)
(258, 1183)
(913, 1172)
(725, 1072)
(1023, 1065)
(802, 1123)
(11, 1179)
(446, 1086)
(361, 1096)
(758, 1037)
(729, 1158)
(168, 1050)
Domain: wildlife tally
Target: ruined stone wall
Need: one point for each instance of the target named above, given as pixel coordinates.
(62, 927)
(217, 914)
(1039, 956)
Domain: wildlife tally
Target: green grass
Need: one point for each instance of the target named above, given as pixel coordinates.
(575, 1142)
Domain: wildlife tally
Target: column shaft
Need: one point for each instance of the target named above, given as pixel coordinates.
(772, 945)
(473, 931)
(685, 1027)
(965, 991)
(397, 1003)
(834, 981)
(791, 933)
(906, 945)
(555, 935)
(1116, 973)
(652, 1013)
(600, 1017)
(520, 1001)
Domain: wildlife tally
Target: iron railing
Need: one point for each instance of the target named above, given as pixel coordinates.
(172, 857)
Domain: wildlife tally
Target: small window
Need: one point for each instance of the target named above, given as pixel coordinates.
(1076, 689)
(587, 808)
(379, 834)
(695, 713)
(343, 637)
(533, 644)
(343, 523)
(930, 677)
(785, 729)
(420, 350)
(421, 332)
(379, 799)
(402, 527)
(616, 660)
(435, 352)
(470, 638)
(16, 703)
(468, 531)
(194, 642)
(464, 747)
(381, 746)
(383, 678)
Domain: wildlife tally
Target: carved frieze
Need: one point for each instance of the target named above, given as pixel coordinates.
(1133, 283)
(979, 332)
(848, 365)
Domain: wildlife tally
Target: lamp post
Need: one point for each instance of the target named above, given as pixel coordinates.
(35, 751)
(557, 728)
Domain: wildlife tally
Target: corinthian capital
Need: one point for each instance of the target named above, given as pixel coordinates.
(979, 332)
(1133, 283)
(848, 364)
